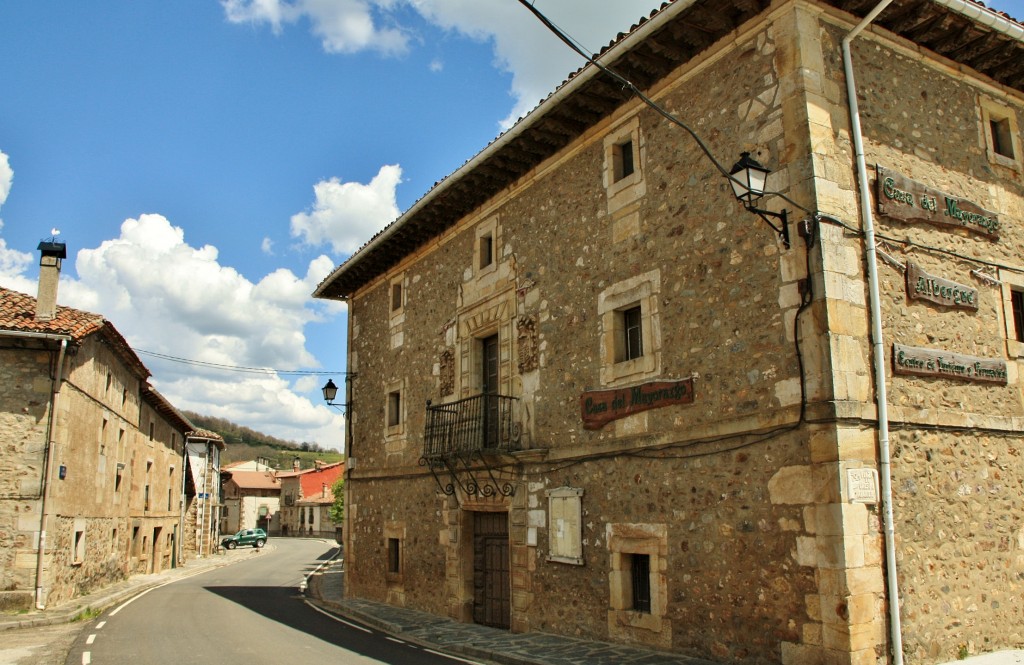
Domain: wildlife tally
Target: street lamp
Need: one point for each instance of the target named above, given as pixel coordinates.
(748, 178)
(330, 393)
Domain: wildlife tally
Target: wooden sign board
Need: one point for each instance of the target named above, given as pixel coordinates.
(600, 407)
(930, 362)
(922, 286)
(911, 201)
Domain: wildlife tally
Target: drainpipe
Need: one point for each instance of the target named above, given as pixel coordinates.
(181, 498)
(48, 455)
(1014, 31)
(878, 352)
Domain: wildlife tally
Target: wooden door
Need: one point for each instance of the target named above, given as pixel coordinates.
(492, 577)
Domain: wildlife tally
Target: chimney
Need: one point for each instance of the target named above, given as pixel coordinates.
(50, 256)
(295, 464)
(323, 490)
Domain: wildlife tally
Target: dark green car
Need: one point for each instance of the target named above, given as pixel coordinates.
(254, 537)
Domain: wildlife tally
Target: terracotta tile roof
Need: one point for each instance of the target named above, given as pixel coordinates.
(312, 480)
(255, 480)
(208, 434)
(18, 312)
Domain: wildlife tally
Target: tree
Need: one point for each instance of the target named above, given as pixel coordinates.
(337, 510)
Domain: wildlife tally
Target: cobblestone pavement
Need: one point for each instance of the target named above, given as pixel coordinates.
(325, 588)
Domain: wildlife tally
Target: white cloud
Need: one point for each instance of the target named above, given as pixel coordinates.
(267, 246)
(523, 47)
(343, 26)
(346, 214)
(168, 297)
(6, 177)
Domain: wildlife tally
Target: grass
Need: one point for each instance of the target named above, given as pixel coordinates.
(86, 615)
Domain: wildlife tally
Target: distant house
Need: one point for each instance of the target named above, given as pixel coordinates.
(93, 480)
(306, 499)
(252, 495)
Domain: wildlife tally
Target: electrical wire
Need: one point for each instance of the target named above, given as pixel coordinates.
(239, 368)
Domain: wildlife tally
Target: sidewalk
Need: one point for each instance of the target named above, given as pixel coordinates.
(324, 587)
(114, 594)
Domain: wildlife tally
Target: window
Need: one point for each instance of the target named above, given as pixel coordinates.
(394, 555)
(152, 429)
(78, 556)
(394, 408)
(630, 333)
(486, 250)
(631, 344)
(113, 540)
(118, 476)
(640, 572)
(623, 176)
(1017, 303)
(396, 296)
(1001, 137)
(622, 160)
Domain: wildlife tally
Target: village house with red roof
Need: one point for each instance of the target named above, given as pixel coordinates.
(102, 476)
(306, 500)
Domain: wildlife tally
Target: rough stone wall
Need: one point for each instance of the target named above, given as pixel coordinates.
(955, 444)
(24, 401)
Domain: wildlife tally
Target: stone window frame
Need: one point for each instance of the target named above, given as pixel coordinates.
(396, 312)
(624, 622)
(568, 502)
(624, 189)
(992, 112)
(485, 231)
(78, 543)
(643, 291)
(1011, 282)
(394, 531)
(398, 430)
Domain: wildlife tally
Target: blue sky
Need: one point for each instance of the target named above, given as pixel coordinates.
(208, 163)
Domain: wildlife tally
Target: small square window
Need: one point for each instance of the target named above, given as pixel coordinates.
(394, 555)
(486, 250)
(1017, 300)
(394, 414)
(623, 156)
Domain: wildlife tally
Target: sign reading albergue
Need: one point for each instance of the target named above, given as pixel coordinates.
(901, 198)
(600, 407)
(922, 286)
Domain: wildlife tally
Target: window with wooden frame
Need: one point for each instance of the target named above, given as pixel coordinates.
(1001, 133)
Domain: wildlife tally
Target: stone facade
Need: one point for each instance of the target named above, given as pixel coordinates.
(751, 515)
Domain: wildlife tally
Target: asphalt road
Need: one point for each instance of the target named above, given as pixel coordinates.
(249, 612)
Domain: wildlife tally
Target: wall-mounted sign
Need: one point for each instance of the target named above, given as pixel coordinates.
(911, 201)
(862, 485)
(599, 407)
(922, 286)
(929, 362)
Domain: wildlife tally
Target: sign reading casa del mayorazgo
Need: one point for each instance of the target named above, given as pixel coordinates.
(901, 198)
(600, 407)
(931, 362)
(923, 286)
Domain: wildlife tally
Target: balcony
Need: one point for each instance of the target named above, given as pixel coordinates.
(486, 423)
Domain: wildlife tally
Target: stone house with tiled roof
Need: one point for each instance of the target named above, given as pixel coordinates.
(251, 499)
(94, 463)
(597, 388)
(306, 499)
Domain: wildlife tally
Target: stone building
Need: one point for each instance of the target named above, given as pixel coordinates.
(93, 455)
(592, 393)
(306, 499)
(252, 496)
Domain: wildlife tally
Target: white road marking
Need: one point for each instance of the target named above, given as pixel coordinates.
(340, 620)
(449, 656)
(100, 625)
(393, 639)
(90, 639)
(86, 658)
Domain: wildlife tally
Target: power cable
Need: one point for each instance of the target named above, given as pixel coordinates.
(239, 368)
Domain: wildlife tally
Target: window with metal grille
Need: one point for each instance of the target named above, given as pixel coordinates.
(640, 571)
(1017, 299)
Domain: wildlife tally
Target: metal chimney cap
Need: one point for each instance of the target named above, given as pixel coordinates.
(57, 249)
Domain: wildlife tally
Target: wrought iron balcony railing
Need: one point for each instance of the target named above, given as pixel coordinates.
(482, 423)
